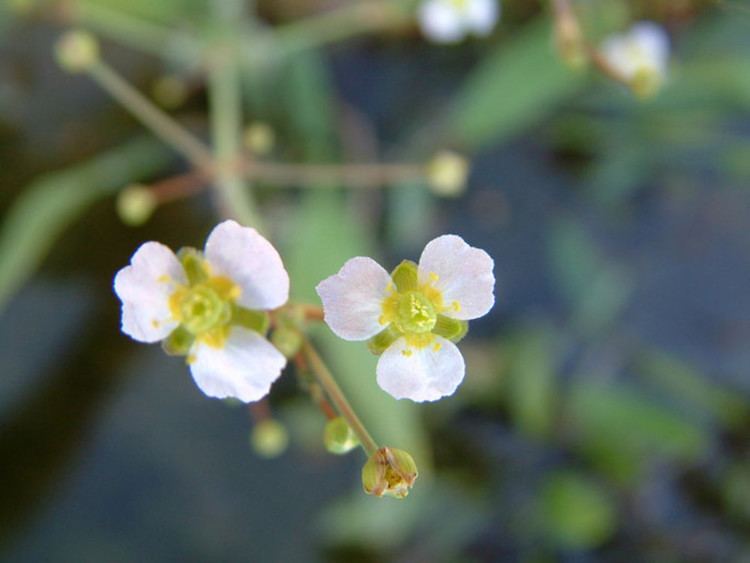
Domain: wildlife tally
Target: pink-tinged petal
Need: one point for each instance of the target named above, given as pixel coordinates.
(421, 374)
(244, 256)
(243, 368)
(144, 287)
(353, 298)
(463, 274)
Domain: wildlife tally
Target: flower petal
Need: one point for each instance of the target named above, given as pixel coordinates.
(653, 41)
(464, 276)
(420, 374)
(441, 22)
(144, 288)
(244, 368)
(353, 298)
(244, 256)
(481, 16)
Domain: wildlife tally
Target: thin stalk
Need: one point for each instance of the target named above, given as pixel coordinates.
(162, 125)
(366, 175)
(334, 392)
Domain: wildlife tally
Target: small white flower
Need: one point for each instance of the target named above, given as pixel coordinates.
(210, 307)
(449, 21)
(414, 315)
(640, 56)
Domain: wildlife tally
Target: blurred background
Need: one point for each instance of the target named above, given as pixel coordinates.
(604, 415)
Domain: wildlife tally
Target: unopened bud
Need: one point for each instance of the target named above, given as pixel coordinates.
(77, 51)
(269, 438)
(135, 205)
(569, 40)
(288, 341)
(169, 91)
(447, 174)
(259, 138)
(338, 436)
(389, 472)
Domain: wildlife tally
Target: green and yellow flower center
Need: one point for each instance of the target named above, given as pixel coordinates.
(414, 311)
(206, 307)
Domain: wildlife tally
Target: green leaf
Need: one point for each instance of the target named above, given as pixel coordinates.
(51, 203)
(622, 428)
(577, 512)
(531, 382)
(520, 82)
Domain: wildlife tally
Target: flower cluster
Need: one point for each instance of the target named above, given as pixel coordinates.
(414, 315)
(450, 21)
(212, 307)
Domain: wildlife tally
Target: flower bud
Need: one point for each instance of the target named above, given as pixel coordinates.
(269, 438)
(447, 174)
(135, 205)
(77, 51)
(389, 472)
(259, 138)
(170, 91)
(288, 341)
(338, 436)
(569, 41)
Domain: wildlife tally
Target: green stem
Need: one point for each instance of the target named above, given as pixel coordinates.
(340, 24)
(334, 392)
(225, 101)
(152, 117)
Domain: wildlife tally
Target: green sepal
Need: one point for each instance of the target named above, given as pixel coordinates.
(194, 264)
(405, 276)
(179, 342)
(254, 320)
(452, 329)
(381, 341)
(287, 340)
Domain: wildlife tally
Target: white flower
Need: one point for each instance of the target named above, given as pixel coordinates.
(210, 307)
(449, 21)
(414, 315)
(640, 56)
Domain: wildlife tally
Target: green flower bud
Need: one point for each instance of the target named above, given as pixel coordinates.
(77, 51)
(447, 174)
(338, 436)
(169, 91)
(135, 205)
(259, 138)
(288, 341)
(269, 438)
(389, 472)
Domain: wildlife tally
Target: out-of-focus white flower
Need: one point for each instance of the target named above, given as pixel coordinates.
(449, 21)
(211, 307)
(414, 315)
(640, 56)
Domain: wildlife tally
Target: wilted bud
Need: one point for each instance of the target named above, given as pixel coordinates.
(269, 438)
(169, 91)
(135, 205)
(338, 436)
(569, 41)
(287, 341)
(447, 174)
(77, 51)
(259, 138)
(389, 472)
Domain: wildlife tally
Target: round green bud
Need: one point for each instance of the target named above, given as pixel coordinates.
(338, 436)
(389, 472)
(259, 138)
(169, 91)
(135, 205)
(269, 438)
(448, 173)
(77, 51)
(288, 341)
